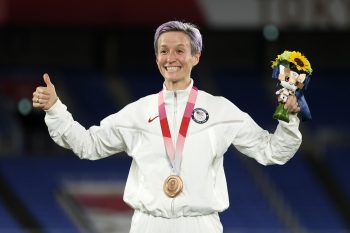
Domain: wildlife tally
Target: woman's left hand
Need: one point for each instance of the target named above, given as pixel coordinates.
(292, 104)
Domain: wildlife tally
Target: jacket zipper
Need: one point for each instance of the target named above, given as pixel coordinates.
(175, 119)
(174, 141)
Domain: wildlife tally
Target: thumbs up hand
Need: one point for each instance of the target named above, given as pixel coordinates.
(45, 97)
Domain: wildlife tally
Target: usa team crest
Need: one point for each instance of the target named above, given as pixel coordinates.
(200, 115)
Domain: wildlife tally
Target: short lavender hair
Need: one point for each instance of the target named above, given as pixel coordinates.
(177, 26)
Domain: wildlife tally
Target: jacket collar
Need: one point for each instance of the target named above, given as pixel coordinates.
(182, 95)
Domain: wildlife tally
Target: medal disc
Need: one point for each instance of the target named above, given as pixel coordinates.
(173, 186)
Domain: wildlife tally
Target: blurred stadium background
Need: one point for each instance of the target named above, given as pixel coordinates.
(100, 57)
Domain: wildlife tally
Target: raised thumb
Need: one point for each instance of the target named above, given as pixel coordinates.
(47, 80)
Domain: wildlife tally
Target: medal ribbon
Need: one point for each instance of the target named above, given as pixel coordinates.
(175, 153)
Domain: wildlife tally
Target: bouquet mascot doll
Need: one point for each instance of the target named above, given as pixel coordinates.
(293, 71)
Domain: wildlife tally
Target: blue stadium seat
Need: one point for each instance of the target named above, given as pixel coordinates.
(37, 180)
(327, 100)
(245, 90)
(337, 159)
(248, 210)
(91, 101)
(7, 223)
(142, 82)
(305, 196)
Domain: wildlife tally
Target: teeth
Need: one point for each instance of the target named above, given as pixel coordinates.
(171, 68)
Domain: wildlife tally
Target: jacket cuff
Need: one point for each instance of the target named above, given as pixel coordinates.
(56, 108)
(293, 120)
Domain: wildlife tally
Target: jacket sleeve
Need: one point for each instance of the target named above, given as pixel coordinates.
(93, 143)
(267, 148)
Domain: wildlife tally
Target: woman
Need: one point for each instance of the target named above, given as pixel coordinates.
(176, 138)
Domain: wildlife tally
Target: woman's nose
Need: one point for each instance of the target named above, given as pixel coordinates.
(171, 57)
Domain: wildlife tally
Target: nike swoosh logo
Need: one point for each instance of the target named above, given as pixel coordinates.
(152, 119)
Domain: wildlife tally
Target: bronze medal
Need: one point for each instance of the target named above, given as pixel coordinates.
(173, 186)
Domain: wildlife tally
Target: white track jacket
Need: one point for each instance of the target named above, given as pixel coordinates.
(136, 130)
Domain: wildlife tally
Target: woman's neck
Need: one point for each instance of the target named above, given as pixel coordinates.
(175, 86)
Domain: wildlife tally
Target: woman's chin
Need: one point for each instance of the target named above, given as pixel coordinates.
(171, 78)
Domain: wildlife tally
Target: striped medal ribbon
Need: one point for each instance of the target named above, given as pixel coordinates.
(173, 184)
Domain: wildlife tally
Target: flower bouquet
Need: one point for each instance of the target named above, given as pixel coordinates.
(293, 71)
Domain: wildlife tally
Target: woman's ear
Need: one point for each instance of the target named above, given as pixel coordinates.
(196, 58)
(156, 59)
